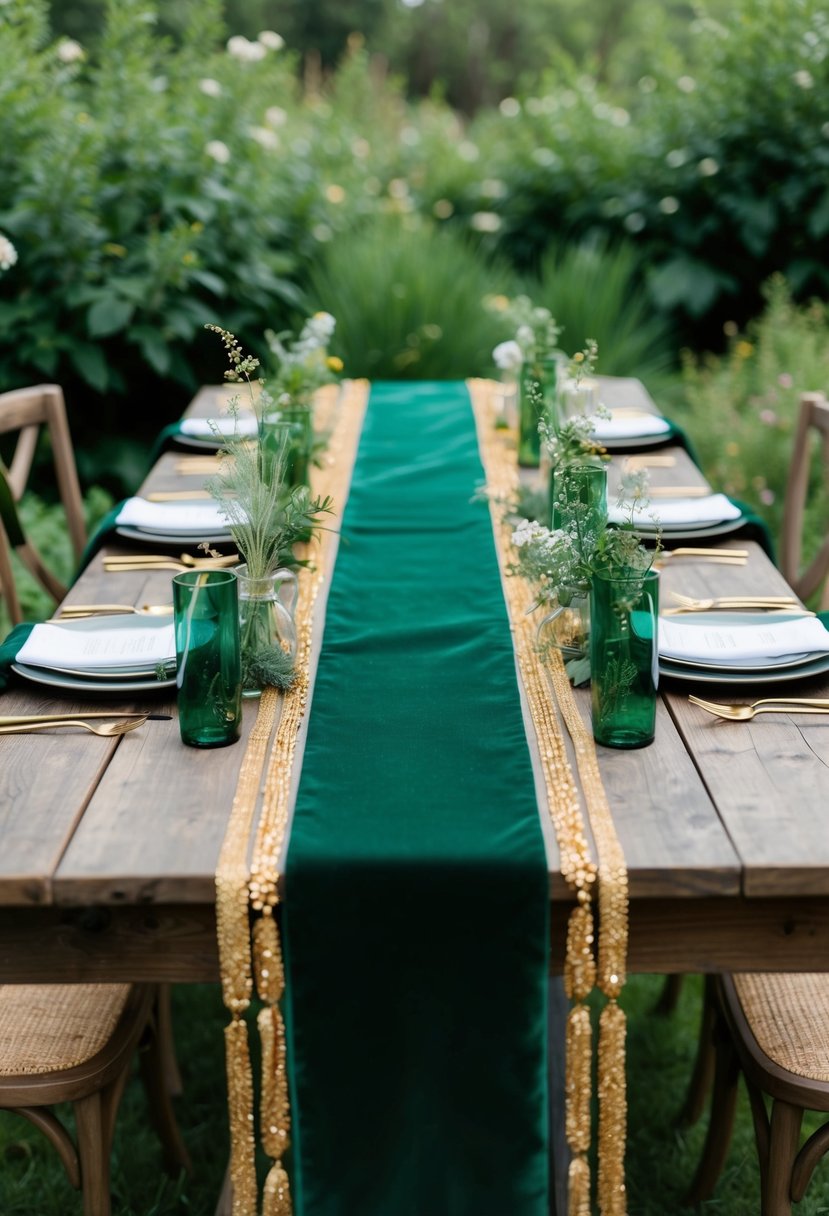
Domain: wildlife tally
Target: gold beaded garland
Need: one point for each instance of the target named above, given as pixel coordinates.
(584, 967)
(243, 889)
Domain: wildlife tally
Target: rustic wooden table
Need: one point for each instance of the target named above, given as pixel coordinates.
(110, 847)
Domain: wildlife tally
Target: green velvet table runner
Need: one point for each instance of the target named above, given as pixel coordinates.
(416, 904)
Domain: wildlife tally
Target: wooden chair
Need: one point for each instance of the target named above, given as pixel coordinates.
(75, 1043)
(774, 1029)
(814, 417)
(26, 410)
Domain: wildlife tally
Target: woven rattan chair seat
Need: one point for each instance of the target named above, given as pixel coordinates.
(789, 1017)
(52, 1027)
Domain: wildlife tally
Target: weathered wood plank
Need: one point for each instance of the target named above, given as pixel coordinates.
(176, 943)
(46, 780)
(155, 824)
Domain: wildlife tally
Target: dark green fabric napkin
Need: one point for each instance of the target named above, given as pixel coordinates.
(416, 910)
(99, 537)
(165, 439)
(9, 649)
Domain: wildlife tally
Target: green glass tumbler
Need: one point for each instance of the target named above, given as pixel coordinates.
(536, 400)
(624, 657)
(208, 657)
(578, 497)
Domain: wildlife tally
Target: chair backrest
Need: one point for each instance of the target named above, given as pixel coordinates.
(814, 417)
(25, 411)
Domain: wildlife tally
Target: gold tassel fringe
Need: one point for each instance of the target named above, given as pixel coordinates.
(578, 1187)
(579, 1049)
(277, 1195)
(240, 1109)
(612, 1111)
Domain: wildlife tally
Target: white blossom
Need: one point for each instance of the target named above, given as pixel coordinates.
(218, 150)
(271, 40)
(210, 87)
(70, 51)
(485, 221)
(8, 253)
(275, 116)
(804, 79)
(265, 137)
(244, 50)
(707, 167)
(508, 356)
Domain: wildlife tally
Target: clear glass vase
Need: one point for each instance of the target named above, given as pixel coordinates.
(266, 620)
(536, 400)
(567, 629)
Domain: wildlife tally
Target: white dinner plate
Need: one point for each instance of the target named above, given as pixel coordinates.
(816, 666)
(69, 683)
(122, 674)
(176, 540)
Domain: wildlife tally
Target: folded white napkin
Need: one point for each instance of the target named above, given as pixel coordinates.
(629, 426)
(173, 518)
(245, 426)
(678, 512)
(697, 641)
(100, 644)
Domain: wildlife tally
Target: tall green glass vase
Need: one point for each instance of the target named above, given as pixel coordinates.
(536, 400)
(624, 657)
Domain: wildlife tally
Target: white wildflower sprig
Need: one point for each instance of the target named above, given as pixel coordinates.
(536, 332)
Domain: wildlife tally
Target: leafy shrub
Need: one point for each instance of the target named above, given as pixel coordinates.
(741, 409)
(409, 302)
(136, 194)
(721, 174)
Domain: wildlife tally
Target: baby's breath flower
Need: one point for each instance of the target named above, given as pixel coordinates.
(507, 356)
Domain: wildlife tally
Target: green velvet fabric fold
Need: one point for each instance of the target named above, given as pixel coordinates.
(8, 651)
(416, 909)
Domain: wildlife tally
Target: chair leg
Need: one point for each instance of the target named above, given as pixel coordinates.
(783, 1141)
(668, 998)
(721, 1123)
(94, 1155)
(702, 1076)
(164, 1030)
(154, 1064)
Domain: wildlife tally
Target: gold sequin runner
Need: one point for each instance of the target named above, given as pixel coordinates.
(552, 707)
(247, 884)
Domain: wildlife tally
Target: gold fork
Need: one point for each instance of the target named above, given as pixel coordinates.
(107, 730)
(731, 557)
(186, 559)
(75, 611)
(767, 705)
(728, 603)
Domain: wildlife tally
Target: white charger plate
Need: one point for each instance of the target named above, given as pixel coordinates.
(70, 683)
(816, 666)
